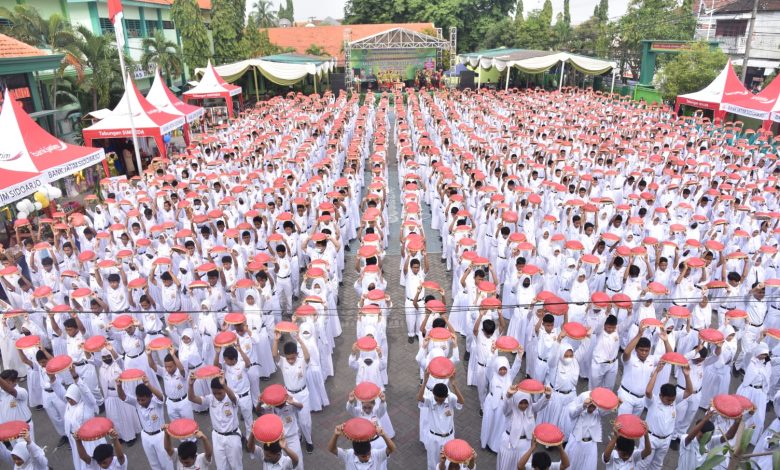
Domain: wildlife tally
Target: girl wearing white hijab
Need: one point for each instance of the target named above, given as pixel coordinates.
(26, 455)
(81, 406)
(493, 419)
(755, 385)
(579, 295)
(261, 327)
(371, 366)
(318, 395)
(520, 411)
(563, 376)
(717, 376)
(190, 356)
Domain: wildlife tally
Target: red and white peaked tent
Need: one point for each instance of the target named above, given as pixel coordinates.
(211, 85)
(149, 120)
(759, 106)
(31, 157)
(163, 98)
(725, 86)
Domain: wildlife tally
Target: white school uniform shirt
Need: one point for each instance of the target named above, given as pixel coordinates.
(152, 417)
(14, 408)
(73, 346)
(224, 414)
(660, 418)
(606, 347)
(294, 374)
(636, 374)
(441, 418)
(284, 268)
(237, 377)
(171, 297)
(351, 461)
(175, 385)
(116, 298)
(289, 416)
(200, 463)
(616, 463)
(413, 281)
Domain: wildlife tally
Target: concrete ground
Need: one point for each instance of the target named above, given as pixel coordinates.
(402, 369)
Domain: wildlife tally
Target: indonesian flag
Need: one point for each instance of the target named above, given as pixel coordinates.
(115, 16)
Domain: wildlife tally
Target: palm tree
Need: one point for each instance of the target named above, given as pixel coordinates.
(315, 49)
(166, 54)
(98, 55)
(54, 33)
(264, 15)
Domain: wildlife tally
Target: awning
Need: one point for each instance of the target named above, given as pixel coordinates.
(726, 84)
(758, 106)
(282, 69)
(533, 61)
(161, 97)
(31, 157)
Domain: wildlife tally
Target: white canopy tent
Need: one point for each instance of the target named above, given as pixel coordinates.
(531, 61)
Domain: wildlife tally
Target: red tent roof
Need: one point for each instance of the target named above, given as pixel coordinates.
(758, 106)
(30, 156)
(725, 86)
(211, 85)
(162, 97)
(149, 121)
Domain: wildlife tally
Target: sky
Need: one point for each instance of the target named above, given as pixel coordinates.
(581, 10)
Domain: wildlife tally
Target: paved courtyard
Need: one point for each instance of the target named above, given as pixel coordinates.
(402, 369)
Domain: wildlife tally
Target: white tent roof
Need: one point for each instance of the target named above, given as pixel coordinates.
(212, 84)
(725, 84)
(535, 61)
(160, 96)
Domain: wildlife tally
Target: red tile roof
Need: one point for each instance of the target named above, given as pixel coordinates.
(331, 37)
(10, 47)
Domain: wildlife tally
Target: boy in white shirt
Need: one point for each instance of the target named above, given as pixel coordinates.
(621, 452)
(187, 456)
(276, 456)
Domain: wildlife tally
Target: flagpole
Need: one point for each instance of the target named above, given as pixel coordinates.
(116, 16)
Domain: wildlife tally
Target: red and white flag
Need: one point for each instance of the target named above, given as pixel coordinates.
(115, 15)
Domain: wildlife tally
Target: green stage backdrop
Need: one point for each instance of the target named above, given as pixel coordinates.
(405, 62)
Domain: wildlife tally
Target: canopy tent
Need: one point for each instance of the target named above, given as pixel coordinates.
(148, 120)
(725, 85)
(532, 61)
(31, 157)
(763, 106)
(212, 85)
(282, 69)
(163, 98)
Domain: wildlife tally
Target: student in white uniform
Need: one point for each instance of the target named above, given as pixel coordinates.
(415, 276)
(284, 287)
(175, 383)
(13, 400)
(104, 456)
(149, 404)
(638, 366)
(223, 411)
(293, 368)
(237, 376)
(690, 450)
(441, 407)
(621, 452)
(26, 454)
(661, 415)
(276, 455)
(603, 365)
(541, 460)
(187, 456)
(361, 456)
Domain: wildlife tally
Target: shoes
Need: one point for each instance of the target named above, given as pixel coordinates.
(130, 443)
(39, 407)
(63, 441)
(481, 413)
(466, 356)
(309, 448)
(410, 340)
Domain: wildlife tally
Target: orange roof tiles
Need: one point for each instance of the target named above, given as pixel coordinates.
(331, 37)
(10, 47)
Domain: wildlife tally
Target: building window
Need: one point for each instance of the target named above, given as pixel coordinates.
(151, 27)
(731, 28)
(133, 28)
(168, 24)
(5, 23)
(106, 26)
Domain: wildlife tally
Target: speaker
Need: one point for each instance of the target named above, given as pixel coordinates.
(466, 79)
(337, 82)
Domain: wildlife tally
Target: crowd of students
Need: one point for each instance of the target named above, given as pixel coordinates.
(588, 238)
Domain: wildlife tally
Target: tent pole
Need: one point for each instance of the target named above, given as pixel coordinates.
(315, 83)
(560, 82)
(508, 70)
(257, 93)
(479, 77)
(612, 87)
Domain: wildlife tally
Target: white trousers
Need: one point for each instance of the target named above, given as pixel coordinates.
(602, 375)
(179, 409)
(154, 449)
(227, 451)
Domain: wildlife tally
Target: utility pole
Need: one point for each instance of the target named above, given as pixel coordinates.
(749, 40)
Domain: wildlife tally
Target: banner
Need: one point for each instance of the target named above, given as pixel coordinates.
(404, 62)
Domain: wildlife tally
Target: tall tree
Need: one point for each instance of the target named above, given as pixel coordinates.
(255, 42)
(54, 33)
(691, 70)
(566, 13)
(94, 59)
(166, 54)
(290, 11)
(264, 16)
(196, 46)
(224, 31)
(603, 11)
(519, 11)
(650, 19)
(547, 12)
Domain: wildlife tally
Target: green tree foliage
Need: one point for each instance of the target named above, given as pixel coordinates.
(95, 60)
(287, 12)
(54, 33)
(519, 11)
(263, 14)
(650, 19)
(196, 47)
(317, 50)
(166, 54)
(225, 32)
(255, 41)
(691, 70)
